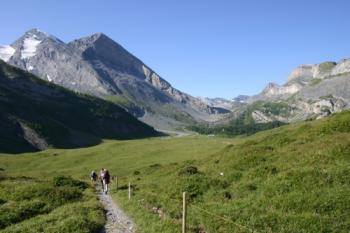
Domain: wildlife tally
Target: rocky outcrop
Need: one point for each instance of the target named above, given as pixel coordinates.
(305, 73)
(260, 117)
(310, 91)
(33, 138)
(342, 67)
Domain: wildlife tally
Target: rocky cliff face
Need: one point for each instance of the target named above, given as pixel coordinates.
(99, 66)
(311, 91)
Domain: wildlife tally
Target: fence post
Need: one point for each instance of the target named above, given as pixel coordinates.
(184, 210)
(129, 191)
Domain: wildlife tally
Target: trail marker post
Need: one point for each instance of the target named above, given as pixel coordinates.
(184, 210)
(129, 191)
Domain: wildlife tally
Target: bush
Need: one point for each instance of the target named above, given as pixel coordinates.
(136, 173)
(190, 170)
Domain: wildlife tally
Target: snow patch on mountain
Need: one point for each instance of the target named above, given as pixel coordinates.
(49, 78)
(29, 47)
(6, 52)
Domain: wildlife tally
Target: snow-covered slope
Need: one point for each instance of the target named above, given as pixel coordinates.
(6, 52)
(30, 45)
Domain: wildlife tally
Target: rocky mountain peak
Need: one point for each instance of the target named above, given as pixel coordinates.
(97, 39)
(302, 72)
(270, 86)
(36, 33)
(99, 36)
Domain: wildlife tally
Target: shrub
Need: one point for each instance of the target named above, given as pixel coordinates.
(189, 170)
(195, 185)
(136, 173)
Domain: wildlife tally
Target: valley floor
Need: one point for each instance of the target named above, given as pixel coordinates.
(290, 179)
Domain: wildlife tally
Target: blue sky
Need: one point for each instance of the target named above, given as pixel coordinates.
(214, 48)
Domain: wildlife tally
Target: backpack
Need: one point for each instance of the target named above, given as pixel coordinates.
(106, 176)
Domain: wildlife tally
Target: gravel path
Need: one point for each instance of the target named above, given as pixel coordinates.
(117, 220)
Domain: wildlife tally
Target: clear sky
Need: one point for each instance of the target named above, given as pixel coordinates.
(214, 48)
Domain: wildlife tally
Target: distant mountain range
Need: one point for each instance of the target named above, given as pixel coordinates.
(36, 114)
(310, 92)
(99, 66)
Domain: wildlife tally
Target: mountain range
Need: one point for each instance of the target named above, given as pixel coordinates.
(310, 92)
(98, 66)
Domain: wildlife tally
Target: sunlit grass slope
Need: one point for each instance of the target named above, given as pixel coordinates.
(120, 157)
(27, 197)
(290, 179)
(55, 205)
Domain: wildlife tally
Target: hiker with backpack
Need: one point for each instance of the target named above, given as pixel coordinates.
(106, 180)
(93, 177)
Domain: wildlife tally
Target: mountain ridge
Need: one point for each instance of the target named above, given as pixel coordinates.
(36, 114)
(99, 66)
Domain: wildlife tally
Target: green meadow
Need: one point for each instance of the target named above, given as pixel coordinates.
(294, 178)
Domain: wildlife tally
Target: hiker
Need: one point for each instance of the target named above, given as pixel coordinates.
(93, 176)
(102, 174)
(106, 180)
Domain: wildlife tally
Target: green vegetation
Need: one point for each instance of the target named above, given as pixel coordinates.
(295, 178)
(327, 97)
(245, 124)
(62, 118)
(126, 103)
(171, 112)
(327, 67)
(275, 108)
(235, 128)
(315, 81)
(61, 204)
(291, 179)
(121, 157)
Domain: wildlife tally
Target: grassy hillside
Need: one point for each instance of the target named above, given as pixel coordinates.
(122, 158)
(60, 204)
(35, 114)
(291, 179)
(295, 178)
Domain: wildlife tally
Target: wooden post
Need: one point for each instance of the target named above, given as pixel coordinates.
(184, 212)
(129, 191)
